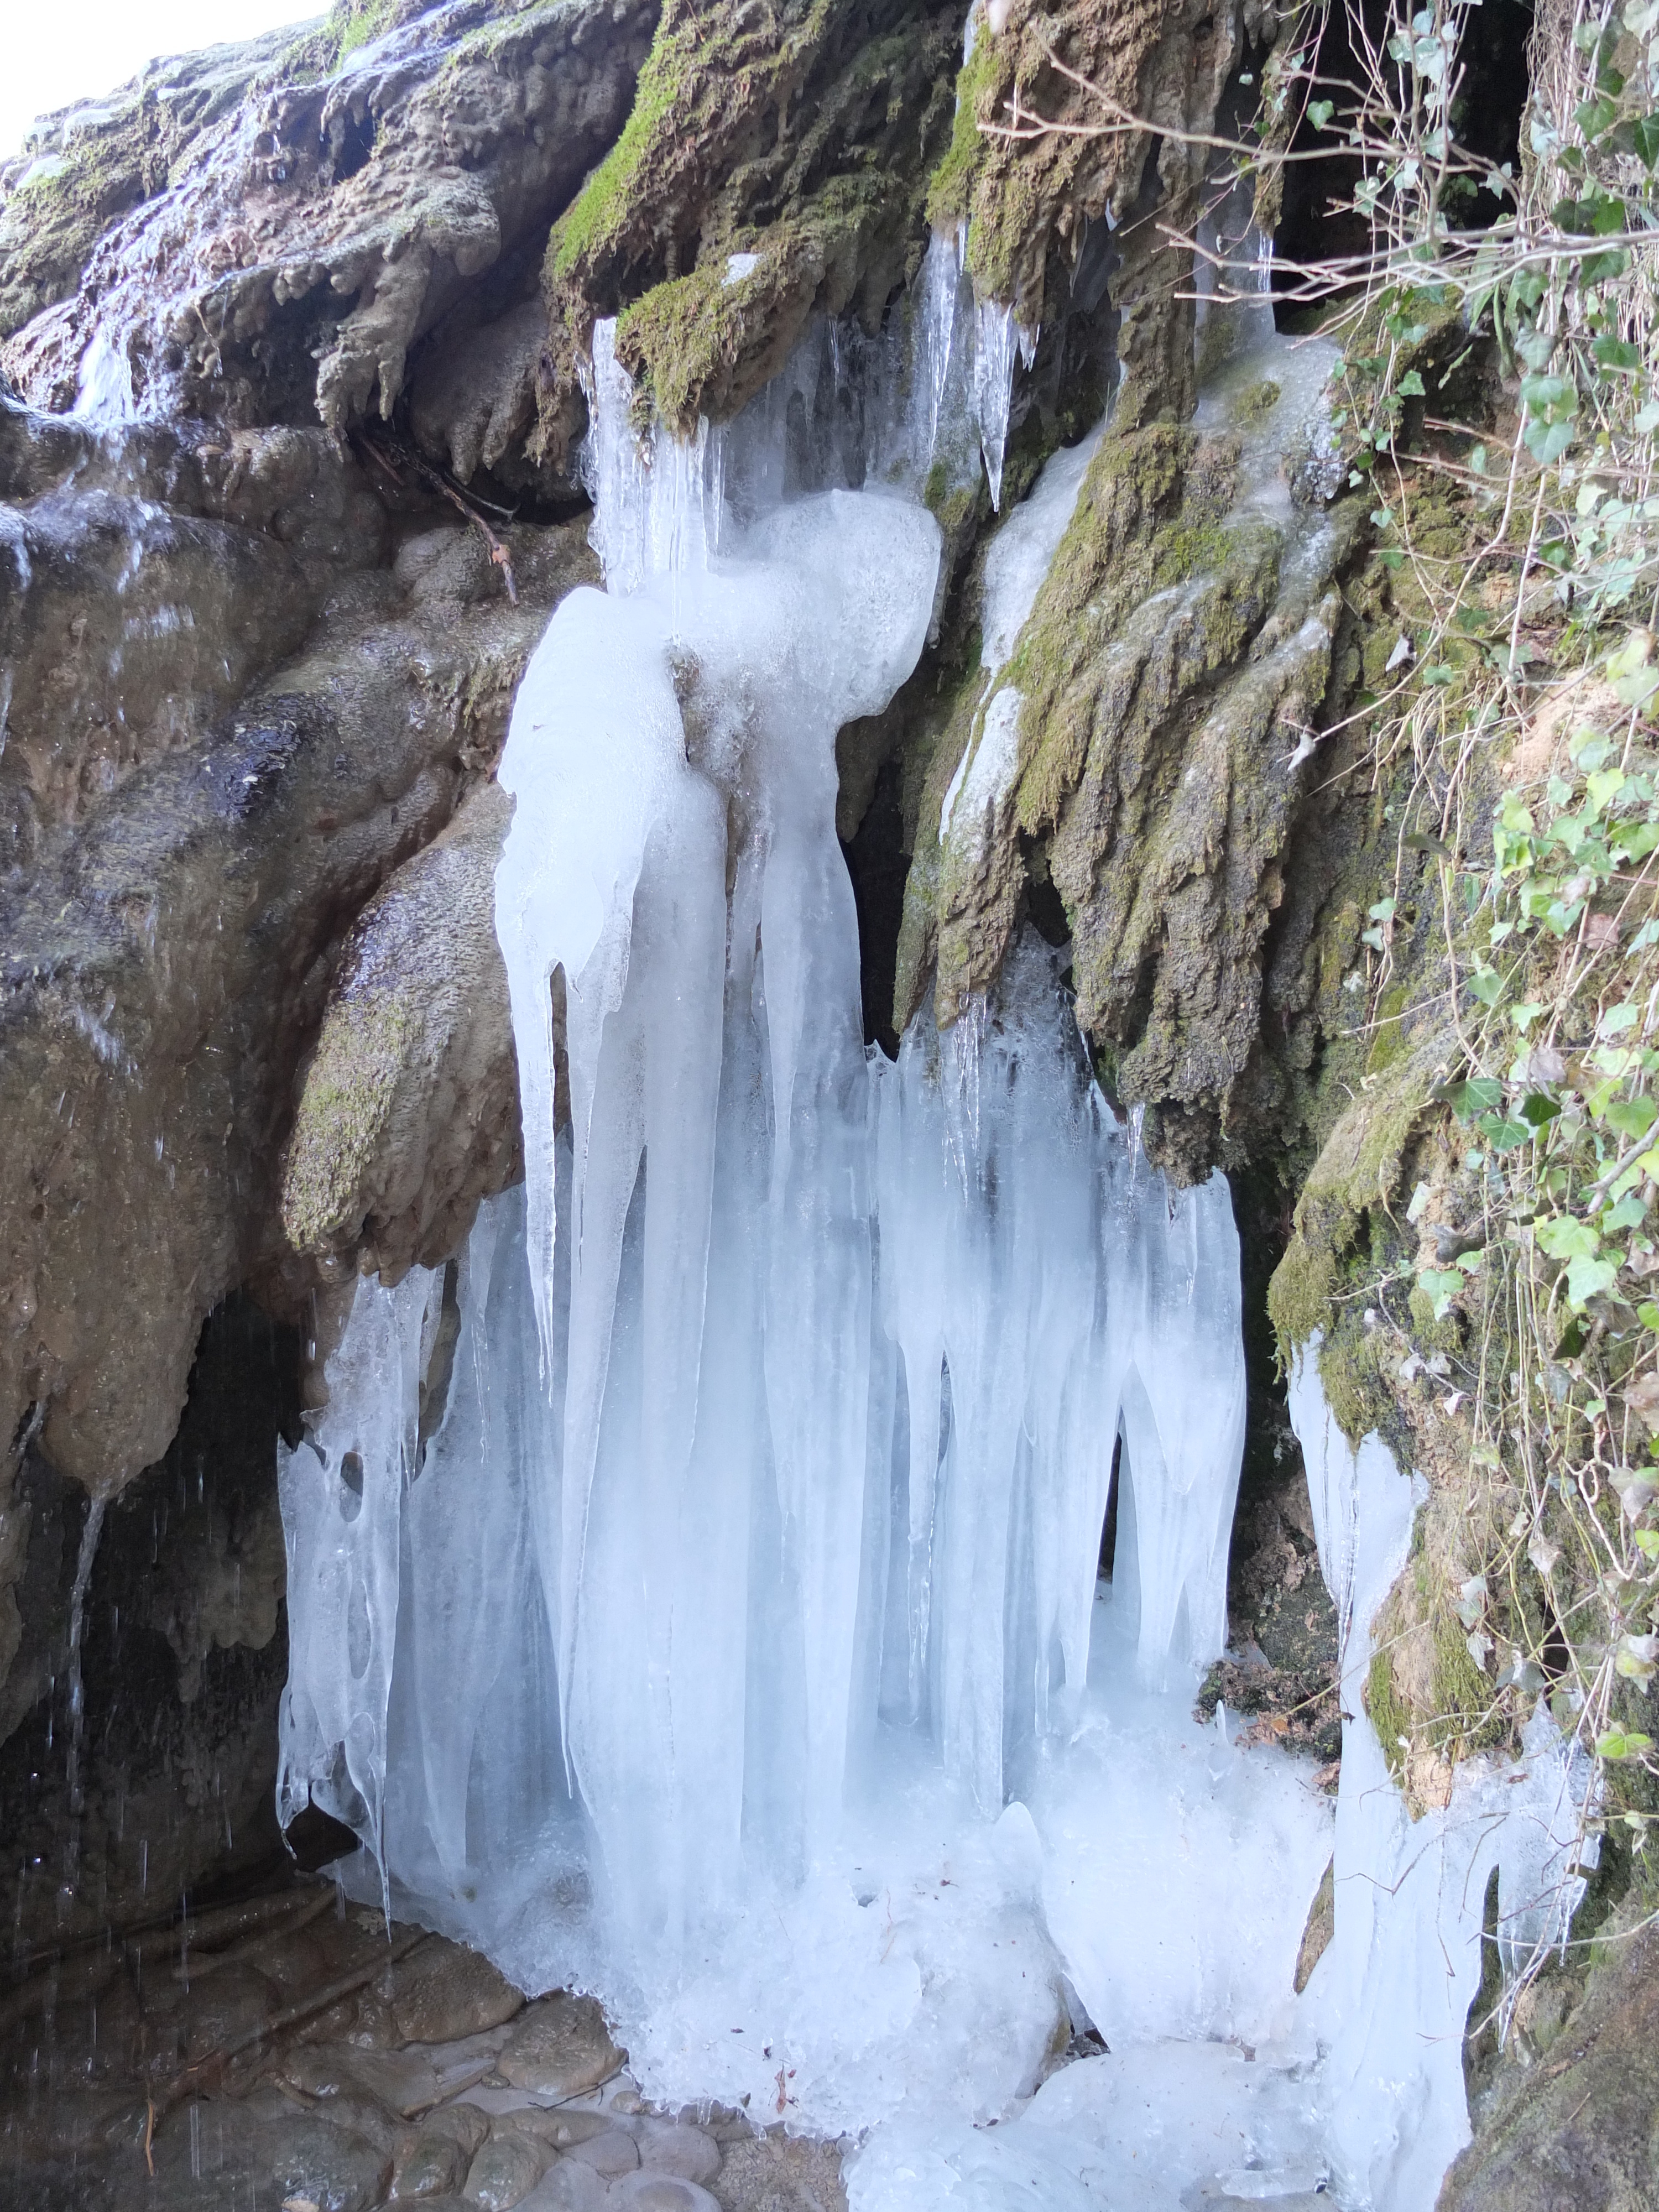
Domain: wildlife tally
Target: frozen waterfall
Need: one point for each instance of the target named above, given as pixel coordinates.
(695, 1586)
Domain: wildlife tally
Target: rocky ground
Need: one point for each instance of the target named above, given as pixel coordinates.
(288, 2049)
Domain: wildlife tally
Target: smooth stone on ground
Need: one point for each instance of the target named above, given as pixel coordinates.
(675, 2147)
(560, 2126)
(401, 2080)
(646, 2192)
(610, 2153)
(434, 2161)
(779, 2172)
(236, 2150)
(562, 2047)
(430, 2165)
(445, 1992)
(568, 2186)
(505, 2171)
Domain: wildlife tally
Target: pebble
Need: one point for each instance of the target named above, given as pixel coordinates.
(561, 2047)
(561, 2127)
(289, 2155)
(403, 2080)
(443, 1992)
(673, 2147)
(568, 2186)
(434, 2158)
(609, 2154)
(780, 2172)
(505, 2171)
(646, 2192)
(428, 2165)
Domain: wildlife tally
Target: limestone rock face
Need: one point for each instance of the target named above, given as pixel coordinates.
(151, 580)
(1184, 637)
(410, 1113)
(1571, 2125)
(321, 215)
(165, 967)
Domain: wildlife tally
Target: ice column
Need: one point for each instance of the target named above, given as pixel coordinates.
(341, 1493)
(1394, 1989)
(671, 756)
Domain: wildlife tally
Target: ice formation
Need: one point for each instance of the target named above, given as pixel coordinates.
(695, 1587)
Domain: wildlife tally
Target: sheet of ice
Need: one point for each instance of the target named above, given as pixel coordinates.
(780, 1411)
(1392, 1995)
(1178, 1869)
(341, 1493)
(1023, 548)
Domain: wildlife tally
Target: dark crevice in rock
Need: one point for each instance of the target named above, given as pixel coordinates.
(878, 863)
(183, 1656)
(1282, 1641)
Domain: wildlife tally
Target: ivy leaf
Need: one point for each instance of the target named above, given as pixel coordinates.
(1502, 1135)
(1632, 1117)
(1478, 1095)
(1410, 386)
(1566, 1237)
(1486, 985)
(1586, 1278)
(1320, 113)
(1623, 1743)
(1536, 1109)
(1548, 441)
(1617, 354)
(1442, 1285)
(1644, 137)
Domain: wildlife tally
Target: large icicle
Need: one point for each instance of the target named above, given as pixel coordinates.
(342, 1495)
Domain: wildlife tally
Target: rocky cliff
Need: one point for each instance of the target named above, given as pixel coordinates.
(294, 338)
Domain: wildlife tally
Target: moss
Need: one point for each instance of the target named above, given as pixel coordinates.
(354, 23)
(951, 191)
(1389, 1715)
(1463, 1720)
(593, 216)
(348, 1093)
(1388, 1041)
(805, 136)
(50, 223)
(1358, 1169)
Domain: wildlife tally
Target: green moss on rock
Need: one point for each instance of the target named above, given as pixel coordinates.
(344, 1110)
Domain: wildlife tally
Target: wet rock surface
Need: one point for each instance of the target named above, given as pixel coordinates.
(260, 2048)
(1568, 2123)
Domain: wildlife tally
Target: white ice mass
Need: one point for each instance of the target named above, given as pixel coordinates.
(694, 1588)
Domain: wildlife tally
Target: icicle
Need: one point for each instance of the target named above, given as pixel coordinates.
(342, 1497)
(994, 346)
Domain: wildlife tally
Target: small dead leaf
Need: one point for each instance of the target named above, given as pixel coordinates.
(1545, 1065)
(1600, 930)
(1643, 1398)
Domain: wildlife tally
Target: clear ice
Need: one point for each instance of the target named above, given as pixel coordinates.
(695, 1588)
